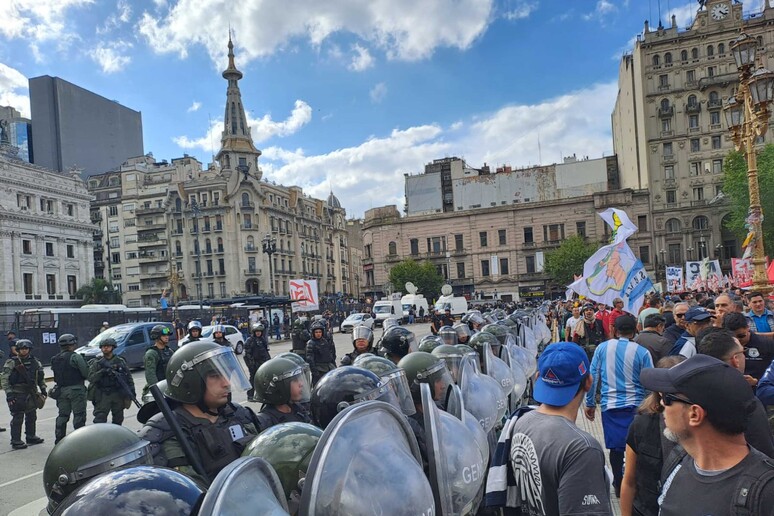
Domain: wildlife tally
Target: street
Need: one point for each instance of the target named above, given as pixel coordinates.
(21, 481)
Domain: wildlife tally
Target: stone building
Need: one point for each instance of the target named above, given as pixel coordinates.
(669, 131)
(45, 234)
(493, 242)
(200, 233)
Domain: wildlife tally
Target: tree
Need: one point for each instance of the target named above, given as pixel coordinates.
(736, 189)
(99, 291)
(422, 274)
(568, 259)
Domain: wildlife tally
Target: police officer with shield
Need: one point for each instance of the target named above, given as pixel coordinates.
(70, 371)
(111, 387)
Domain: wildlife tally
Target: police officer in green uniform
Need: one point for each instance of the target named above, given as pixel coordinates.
(70, 370)
(111, 387)
(282, 386)
(157, 356)
(22, 377)
(201, 377)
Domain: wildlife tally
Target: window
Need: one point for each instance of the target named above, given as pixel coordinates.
(690, 76)
(70, 251)
(644, 254)
(131, 255)
(663, 81)
(642, 222)
(485, 267)
(529, 261)
(528, 238)
(664, 105)
(504, 266)
(666, 125)
(501, 236)
(695, 145)
(460, 269)
(710, 71)
(684, 55)
(674, 253)
(50, 284)
(49, 249)
(694, 53)
(716, 142)
(700, 222)
(668, 149)
(714, 117)
(367, 249)
(553, 232)
(414, 245)
(436, 245)
(246, 199)
(458, 243)
(482, 238)
(26, 246)
(698, 193)
(713, 98)
(673, 226)
(671, 196)
(72, 285)
(717, 166)
(693, 121)
(668, 58)
(27, 280)
(115, 258)
(247, 221)
(695, 168)
(710, 51)
(112, 211)
(70, 210)
(392, 248)
(669, 172)
(222, 266)
(115, 242)
(656, 60)
(580, 228)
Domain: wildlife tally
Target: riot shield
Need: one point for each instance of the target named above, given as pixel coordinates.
(353, 472)
(456, 407)
(481, 394)
(456, 463)
(498, 370)
(247, 486)
(524, 359)
(519, 380)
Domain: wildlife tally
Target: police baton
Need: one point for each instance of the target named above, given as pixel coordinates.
(193, 459)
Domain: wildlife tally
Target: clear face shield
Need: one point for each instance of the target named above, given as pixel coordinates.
(463, 333)
(399, 384)
(449, 337)
(220, 366)
(439, 379)
(383, 392)
(453, 365)
(297, 384)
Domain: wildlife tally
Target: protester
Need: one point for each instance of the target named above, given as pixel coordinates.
(759, 318)
(673, 332)
(758, 349)
(651, 337)
(696, 319)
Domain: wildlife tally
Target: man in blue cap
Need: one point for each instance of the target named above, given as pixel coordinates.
(557, 467)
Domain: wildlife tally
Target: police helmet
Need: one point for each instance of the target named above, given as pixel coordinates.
(66, 339)
(194, 325)
(110, 341)
(257, 327)
(280, 381)
(159, 330)
(23, 344)
(190, 366)
(429, 343)
(398, 341)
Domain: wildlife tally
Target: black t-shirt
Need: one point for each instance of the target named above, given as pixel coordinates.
(759, 354)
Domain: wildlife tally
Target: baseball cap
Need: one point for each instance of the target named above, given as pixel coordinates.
(625, 323)
(697, 313)
(653, 320)
(706, 381)
(561, 368)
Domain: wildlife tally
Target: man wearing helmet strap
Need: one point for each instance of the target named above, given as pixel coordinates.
(107, 377)
(219, 336)
(362, 341)
(157, 356)
(194, 331)
(320, 352)
(282, 386)
(22, 377)
(70, 370)
(256, 353)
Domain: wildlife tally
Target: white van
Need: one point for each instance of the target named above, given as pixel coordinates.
(386, 308)
(458, 305)
(416, 300)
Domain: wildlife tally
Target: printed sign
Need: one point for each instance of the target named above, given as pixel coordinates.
(303, 293)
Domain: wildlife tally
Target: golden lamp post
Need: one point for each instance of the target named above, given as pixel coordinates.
(747, 116)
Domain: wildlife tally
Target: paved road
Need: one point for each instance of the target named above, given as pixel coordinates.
(21, 480)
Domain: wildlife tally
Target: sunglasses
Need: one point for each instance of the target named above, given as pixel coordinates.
(679, 316)
(668, 398)
(166, 331)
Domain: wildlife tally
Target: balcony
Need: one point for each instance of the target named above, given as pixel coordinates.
(392, 258)
(529, 245)
(154, 274)
(251, 249)
(218, 228)
(701, 202)
(693, 108)
(152, 257)
(718, 80)
(666, 113)
(152, 227)
(252, 271)
(715, 104)
(151, 241)
(249, 227)
(247, 206)
(152, 210)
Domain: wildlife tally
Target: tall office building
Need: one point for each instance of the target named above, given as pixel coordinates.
(16, 131)
(75, 128)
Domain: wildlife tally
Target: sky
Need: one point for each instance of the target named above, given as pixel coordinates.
(346, 95)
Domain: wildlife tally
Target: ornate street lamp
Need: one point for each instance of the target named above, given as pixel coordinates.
(270, 247)
(747, 116)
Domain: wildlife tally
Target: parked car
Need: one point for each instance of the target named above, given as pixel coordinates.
(233, 335)
(132, 340)
(357, 319)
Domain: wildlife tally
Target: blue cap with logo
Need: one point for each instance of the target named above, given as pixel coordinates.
(697, 313)
(561, 368)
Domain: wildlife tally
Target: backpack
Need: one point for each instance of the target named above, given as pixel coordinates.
(749, 488)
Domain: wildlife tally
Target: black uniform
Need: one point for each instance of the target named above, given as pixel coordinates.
(270, 416)
(256, 353)
(321, 357)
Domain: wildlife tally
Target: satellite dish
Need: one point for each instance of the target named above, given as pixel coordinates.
(411, 288)
(446, 290)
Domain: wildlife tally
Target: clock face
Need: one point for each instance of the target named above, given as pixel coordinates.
(720, 11)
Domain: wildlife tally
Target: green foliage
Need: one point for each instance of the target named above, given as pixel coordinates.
(568, 259)
(422, 274)
(735, 188)
(100, 292)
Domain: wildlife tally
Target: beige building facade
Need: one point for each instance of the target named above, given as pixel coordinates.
(669, 131)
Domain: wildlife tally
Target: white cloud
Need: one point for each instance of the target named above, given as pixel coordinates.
(683, 16)
(362, 59)
(261, 129)
(123, 15)
(522, 9)
(13, 90)
(403, 29)
(577, 122)
(36, 20)
(602, 9)
(111, 56)
(378, 93)
(194, 107)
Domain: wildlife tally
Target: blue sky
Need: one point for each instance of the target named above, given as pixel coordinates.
(346, 94)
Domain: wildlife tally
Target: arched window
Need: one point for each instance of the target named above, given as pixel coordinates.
(694, 53)
(665, 105)
(392, 248)
(710, 51)
(668, 58)
(250, 242)
(701, 222)
(656, 60)
(672, 226)
(714, 98)
(220, 245)
(692, 101)
(245, 199)
(684, 55)
(721, 48)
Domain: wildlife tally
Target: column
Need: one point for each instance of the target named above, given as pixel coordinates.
(40, 245)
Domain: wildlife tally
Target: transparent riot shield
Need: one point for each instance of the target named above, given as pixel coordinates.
(482, 394)
(455, 461)
(456, 407)
(498, 370)
(246, 487)
(519, 380)
(528, 339)
(367, 463)
(524, 359)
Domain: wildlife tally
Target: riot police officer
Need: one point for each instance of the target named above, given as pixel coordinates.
(70, 370)
(22, 377)
(219, 336)
(320, 352)
(282, 386)
(256, 353)
(111, 386)
(300, 336)
(194, 331)
(157, 356)
(201, 377)
(362, 341)
(397, 343)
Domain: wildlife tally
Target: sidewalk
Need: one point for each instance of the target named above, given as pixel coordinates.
(595, 429)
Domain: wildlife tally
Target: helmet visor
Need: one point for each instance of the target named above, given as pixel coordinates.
(299, 386)
(453, 365)
(449, 337)
(439, 379)
(383, 392)
(221, 363)
(362, 332)
(399, 384)
(412, 342)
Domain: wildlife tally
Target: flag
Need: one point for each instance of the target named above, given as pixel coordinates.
(674, 279)
(304, 295)
(741, 270)
(622, 228)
